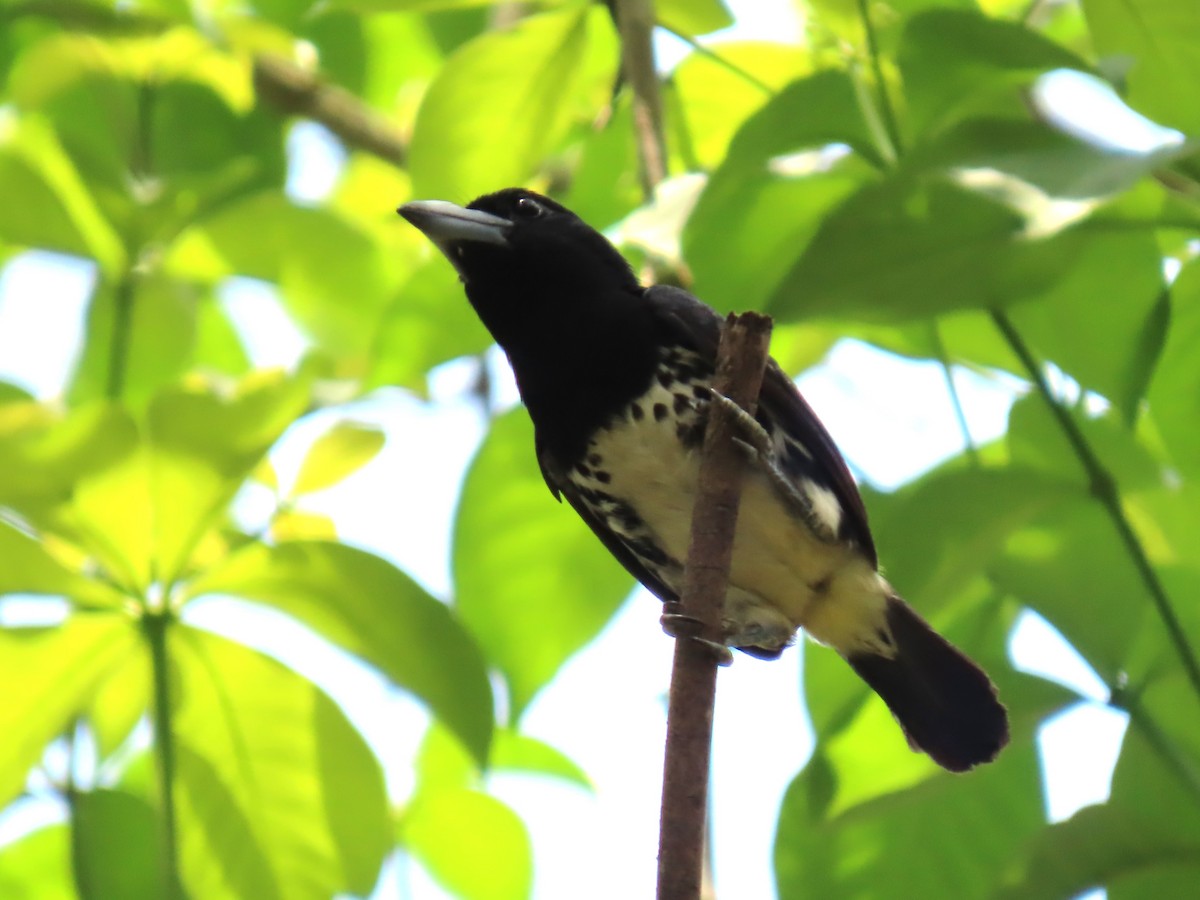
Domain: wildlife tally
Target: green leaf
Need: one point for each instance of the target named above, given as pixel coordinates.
(900, 251)
(443, 828)
(1067, 564)
(336, 454)
(157, 316)
(1174, 392)
(37, 866)
(429, 322)
(531, 582)
(1036, 439)
(966, 515)
(203, 446)
(442, 761)
(516, 752)
(958, 63)
(44, 454)
(715, 101)
(692, 17)
(1160, 41)
(755, 217)
(497, 106)
(316, 256)
(278, 795)
(116, 850)
(1057, 163)
(371, 609)
(47, 202)
(29, 569)
(51, 675)
(1112, 353)
(120, 703)
(1098, 846)
(865, 807)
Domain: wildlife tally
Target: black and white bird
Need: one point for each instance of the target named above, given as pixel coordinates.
(616, 378)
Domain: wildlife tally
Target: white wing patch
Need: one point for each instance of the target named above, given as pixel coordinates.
(825, 505)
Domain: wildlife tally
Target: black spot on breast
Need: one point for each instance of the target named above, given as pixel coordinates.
(680, 403)
(625, 517)
(583, 470)
(635, 410)
(602, 477)
(665, 378)
(700, 391)
(595, 459)
(660, 411)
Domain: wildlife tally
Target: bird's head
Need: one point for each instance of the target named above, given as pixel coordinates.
(518, 239)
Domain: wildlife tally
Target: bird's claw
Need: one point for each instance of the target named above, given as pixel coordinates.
(680, 625)
(755, 441)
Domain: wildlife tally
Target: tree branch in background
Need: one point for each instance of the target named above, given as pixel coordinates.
(741, 359)
(635, 22)
(296, 91)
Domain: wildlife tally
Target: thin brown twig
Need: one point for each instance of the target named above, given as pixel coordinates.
(635, 22)
(741, 359)
(296, 91)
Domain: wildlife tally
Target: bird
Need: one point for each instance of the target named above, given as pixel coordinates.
(617, 379)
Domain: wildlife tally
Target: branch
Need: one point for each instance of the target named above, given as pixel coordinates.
(635, 22)
(1103, 487)
(296, 91)
(740, 361)
(154, 625)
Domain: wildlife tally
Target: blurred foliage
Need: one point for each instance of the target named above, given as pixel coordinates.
(898, 176)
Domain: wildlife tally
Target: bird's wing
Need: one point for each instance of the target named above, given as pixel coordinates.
(687, 320)
(562, 487)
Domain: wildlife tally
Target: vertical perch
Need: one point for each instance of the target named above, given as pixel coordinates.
(741, 358)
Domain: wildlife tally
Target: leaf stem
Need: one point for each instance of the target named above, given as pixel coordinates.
(711, 55)
(118, 347)
(939, 346)
(1103, 486)
(886, 110)
(155, 625)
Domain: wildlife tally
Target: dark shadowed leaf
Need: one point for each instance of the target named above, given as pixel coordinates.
(902, 250)
(958, 63)
(116, 847)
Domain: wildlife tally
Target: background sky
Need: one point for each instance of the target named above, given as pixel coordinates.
(893, 420)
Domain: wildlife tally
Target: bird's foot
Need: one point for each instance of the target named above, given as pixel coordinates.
(755, 441)
(680, 625)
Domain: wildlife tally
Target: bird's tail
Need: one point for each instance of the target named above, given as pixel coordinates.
(945, 703)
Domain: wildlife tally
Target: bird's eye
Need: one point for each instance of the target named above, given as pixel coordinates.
(528, 208)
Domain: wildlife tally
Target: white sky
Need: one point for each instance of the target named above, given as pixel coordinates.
(606, 709)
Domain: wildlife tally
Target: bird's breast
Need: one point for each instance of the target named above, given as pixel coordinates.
(639, 476)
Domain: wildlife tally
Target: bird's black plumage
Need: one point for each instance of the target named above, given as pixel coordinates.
(616, 379)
